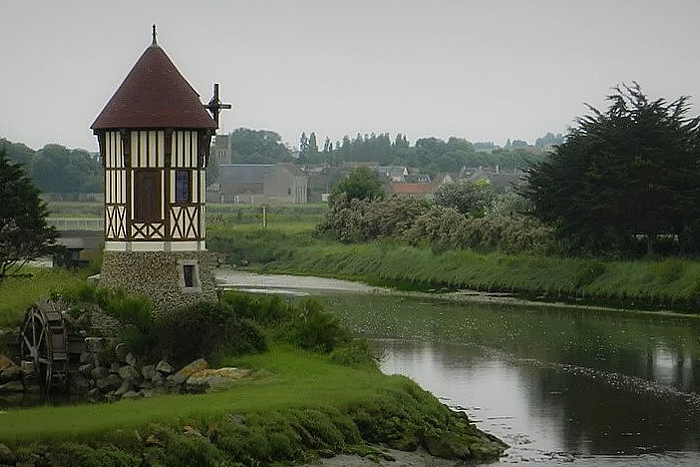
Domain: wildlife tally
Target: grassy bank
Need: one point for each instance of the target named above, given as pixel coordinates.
(315, 391)
(667, 283)
(301, 405)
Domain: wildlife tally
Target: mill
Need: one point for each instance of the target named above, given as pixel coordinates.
(154, 137)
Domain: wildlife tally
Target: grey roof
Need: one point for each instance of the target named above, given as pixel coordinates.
(244, 173)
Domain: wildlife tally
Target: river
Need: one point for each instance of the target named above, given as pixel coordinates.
(560, 385)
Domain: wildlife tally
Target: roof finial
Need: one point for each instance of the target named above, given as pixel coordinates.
(154, 35)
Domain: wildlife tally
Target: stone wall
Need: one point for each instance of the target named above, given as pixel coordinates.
(158, 275)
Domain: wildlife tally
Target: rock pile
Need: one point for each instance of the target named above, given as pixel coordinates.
(110, 372)
(120, 376)
(10, 376)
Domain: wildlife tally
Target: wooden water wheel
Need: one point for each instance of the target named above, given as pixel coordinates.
(44, 343)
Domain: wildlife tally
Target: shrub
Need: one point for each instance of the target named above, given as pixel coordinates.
(187, 451)
(359, 220)
(358, 353)
(304, 324)
(205, 329)
(78, 455)
(315, 329)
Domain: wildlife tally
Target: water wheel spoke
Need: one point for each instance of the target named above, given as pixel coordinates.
(27, 343)
(34, 339)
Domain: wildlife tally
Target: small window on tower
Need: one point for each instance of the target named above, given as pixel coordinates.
(189, 276)
(182, 187)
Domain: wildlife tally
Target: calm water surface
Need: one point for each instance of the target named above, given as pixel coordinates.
(559, 385)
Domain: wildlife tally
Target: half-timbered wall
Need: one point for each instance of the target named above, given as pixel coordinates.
(171, 216)
(115, 187)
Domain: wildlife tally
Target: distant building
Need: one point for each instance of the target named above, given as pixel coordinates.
(499, 180)
(413, 190)
(221, 150)
(259, 183)
(393, 173)
(441, 179)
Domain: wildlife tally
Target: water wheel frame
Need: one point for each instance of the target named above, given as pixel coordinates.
(44, 343)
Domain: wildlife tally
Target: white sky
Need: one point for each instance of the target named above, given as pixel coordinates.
(484, 70)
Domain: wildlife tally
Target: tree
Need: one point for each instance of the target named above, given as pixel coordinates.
(258, 147)
(18, 152)
(630, 172)
(57, 169)
(303, 147)
(469, 198)
(24, 233)
(363, 183)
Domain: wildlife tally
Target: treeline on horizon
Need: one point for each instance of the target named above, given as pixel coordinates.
(430, 154)
(58, 169)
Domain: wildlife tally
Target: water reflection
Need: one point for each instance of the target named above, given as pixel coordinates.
(558, 385)
(545, 411)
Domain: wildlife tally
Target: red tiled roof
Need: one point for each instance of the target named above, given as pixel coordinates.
(405, 188)
(154, 95)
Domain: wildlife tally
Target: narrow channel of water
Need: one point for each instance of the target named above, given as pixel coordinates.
(559, 385)
(562, 386)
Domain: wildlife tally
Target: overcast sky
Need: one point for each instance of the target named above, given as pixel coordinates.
(484, 70)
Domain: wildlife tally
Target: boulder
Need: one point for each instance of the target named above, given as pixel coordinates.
(86, 369)
(146, 384)
(7, 457)
(12, 386)
(5, 362)
(11, 373)
(114, 368)
(132, 395)
(109, 383)
(158, 379)
(123, 389)
(98, 373)
(120, 352)
(94, 344)
(129, 373)
(147, 393)
(148, 372)
(130, 359)
(164, 367)
(217, 379)
(188, 370)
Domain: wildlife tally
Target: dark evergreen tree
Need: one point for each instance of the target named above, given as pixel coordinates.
(303, 148)
(313, 145)
(630, 172)
(24, 233)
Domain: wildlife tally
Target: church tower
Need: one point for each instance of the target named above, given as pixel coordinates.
(154, 136)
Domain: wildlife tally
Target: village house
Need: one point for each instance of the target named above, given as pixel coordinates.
(412, 190)
(258, 184)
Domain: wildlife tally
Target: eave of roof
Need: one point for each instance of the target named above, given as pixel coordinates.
(154, 95)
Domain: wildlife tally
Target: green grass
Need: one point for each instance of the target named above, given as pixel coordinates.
(661, 283)
(293, 379)
(18, 293)
(298, 407)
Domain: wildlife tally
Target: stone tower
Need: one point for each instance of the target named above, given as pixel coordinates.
(154, 136)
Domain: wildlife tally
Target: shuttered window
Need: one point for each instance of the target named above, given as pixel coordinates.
(148, 196)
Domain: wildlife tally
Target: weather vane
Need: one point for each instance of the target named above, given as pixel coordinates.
(215, 106)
